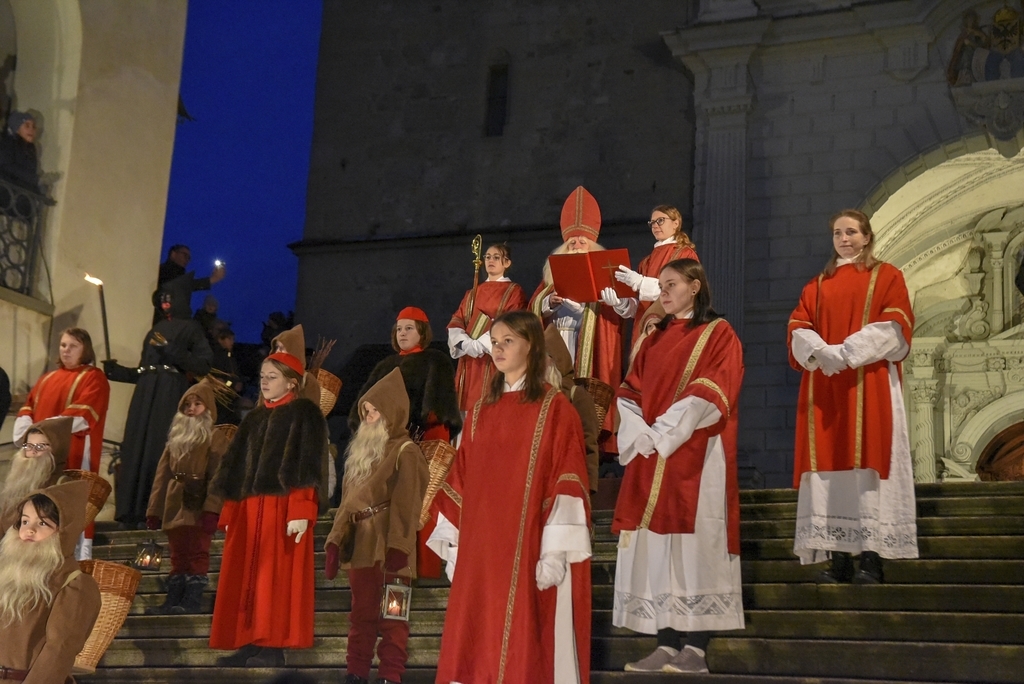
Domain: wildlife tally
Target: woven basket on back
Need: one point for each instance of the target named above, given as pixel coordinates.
(602, 394)
(330, 388)
(440, 455)
(226, 429)
(97, 494)
(118, 584)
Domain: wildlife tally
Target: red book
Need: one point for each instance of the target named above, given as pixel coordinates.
(581, 277)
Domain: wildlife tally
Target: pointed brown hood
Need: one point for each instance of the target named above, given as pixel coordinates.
(555, 347)
(389, 397)
(204, 391)
(294, 342)
(70, 499)
(58, 434)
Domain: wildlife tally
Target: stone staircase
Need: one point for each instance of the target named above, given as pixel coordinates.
(954, 615)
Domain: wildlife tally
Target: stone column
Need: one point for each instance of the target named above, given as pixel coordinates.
(995, 244)
(924, 394)
(717, 56)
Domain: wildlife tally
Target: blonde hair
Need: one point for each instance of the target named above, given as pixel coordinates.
(682, 239)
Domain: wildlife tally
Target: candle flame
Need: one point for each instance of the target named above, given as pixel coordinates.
(94, 281)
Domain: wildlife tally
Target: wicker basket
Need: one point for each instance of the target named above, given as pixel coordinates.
(97, 495)
(226, 429)
(330, 388)
(118, 584)
(602, 394)
(440, 455)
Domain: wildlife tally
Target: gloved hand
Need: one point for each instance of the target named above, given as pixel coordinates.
(609, 297)
(153, 522)
(572, 306)
(395, 560)
(333, 561)
(298, 528)
(209, 521)
(626, 275)
(830, 357)
(645, 444)
(550, 570)
(473, 348)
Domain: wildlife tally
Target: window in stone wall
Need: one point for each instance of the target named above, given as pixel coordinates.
(497, 100)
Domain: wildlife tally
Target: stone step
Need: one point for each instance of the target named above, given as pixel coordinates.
(904, 661)
(987, 628)
(926, 527)
(966, 572)
(940, 507)
(936, 490)
(330, 675)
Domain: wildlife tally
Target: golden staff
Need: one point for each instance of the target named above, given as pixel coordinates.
(478, 244)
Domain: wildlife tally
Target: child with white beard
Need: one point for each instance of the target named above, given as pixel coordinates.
(181, 501)
(39, 462)
(374, 532)
(47, 605)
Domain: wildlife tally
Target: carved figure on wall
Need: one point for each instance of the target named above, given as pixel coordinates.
(991, 55)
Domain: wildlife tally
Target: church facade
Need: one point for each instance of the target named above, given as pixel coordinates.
(758, 120)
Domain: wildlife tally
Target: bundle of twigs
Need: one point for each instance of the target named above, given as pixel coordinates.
(323, 348)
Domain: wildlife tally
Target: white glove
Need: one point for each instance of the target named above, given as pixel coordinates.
(644, 444)
(629, 277)
(473, 348)
(485, 343)
(550, 569)
(831, 359)
(21, 426)
(572, 306)
(298, 528)
(609, 297)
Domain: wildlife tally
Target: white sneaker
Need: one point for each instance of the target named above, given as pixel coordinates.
(655, 662)
(688, 661)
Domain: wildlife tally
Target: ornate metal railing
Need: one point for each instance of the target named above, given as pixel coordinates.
(21, 222)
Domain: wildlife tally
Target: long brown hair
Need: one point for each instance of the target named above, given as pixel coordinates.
(288, 373)
(504, 250)
(422, 327)
(702, 311)
(82, 335)
(682, 239)
(526, 325)
(866, 259)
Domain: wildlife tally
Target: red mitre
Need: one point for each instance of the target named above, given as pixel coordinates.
(581, 215)
(291, 361)
(412, 313)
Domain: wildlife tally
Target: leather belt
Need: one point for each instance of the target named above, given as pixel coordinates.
(186, 477)
(359, 516)
(142, 370)
(13, 675)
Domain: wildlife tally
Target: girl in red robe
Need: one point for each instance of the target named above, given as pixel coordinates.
(79, 390)
(677, 515)
(269, 479)
(848, 334)
(671, 243)
(468, 340)
(513, 525)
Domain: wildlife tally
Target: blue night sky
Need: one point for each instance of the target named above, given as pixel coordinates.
(238, 177)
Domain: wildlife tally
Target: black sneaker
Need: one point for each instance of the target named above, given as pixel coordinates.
(870, 571)
(840, 569)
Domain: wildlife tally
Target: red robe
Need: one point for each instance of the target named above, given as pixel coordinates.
(80, 393)
(265, 594)
(651, 266)
(493, 298)
(680, 361)
(499, 628)
(845, 421)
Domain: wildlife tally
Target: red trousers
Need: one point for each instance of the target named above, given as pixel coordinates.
(190, 550)
(365, 623)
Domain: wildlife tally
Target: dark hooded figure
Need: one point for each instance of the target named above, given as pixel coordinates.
(174, 354)
(18, 161)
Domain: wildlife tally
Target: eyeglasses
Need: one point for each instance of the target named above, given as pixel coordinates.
(657, 222)
(38, 448)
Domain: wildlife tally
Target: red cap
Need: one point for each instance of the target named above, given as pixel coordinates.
(289, 360)
(580, 215)
(412, 313)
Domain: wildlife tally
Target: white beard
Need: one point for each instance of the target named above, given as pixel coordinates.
(25, 476)
(187, 433)
(364, 452)
(25, 571)
(563, 249)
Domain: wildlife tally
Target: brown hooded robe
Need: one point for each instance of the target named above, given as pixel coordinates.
(58, 433)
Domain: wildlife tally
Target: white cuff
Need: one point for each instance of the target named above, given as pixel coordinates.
(79, 424)
(650, 289)
(455, 336)
(444, 540)
(631, 426)
(545, 306)
(805, 343)
(681, 420)
(875, 342)
(21, 426)
(566, 530)
(626, 308)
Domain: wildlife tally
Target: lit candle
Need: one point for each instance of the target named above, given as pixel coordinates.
(103, 311)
